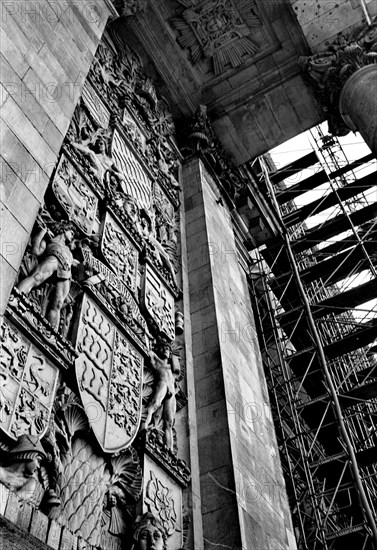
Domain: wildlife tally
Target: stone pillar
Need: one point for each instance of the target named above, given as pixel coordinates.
(344, 80)
(47, 48)
(244, 503)
(358, 104)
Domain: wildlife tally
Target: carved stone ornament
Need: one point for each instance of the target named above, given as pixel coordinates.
(148, 531)
(160, 503)
(329, 70)
(25, 315)
(28, 384)
(158, 304)
(97, 109)
(136, 135)
(174, 466)
(109, 373)
(136, 182)
(19, 466)
(119, 253)
(218, 29)
(113, 295)
(75, 196)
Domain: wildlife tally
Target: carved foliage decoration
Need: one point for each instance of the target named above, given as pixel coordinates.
(158, 304)
(27, 386)
(109, 373)
(218, 29)
(75, 196)
(119, 252)
(84, 481)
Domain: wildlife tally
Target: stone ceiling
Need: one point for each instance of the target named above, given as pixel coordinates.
(238, 57)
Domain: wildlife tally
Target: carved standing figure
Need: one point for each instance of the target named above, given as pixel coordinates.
(98, 158)
(19, 466)
(158, 249)
(56, 257)
(166, 369)
(148, 534)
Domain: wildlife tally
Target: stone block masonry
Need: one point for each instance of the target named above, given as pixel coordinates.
(47, 49)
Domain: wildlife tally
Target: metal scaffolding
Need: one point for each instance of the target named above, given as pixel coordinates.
(314, 288)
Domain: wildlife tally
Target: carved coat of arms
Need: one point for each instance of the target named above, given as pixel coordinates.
(27, 386)
(120, 254)
(158, 303)
(135, 180)
(75, 196)
(109, 373)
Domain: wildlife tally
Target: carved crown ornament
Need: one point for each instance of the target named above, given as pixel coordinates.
(328, 71)
(221, 30)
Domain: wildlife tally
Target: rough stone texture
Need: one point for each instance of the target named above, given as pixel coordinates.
(47, 49)
(243, 495)
(14, 538)
(321, 21)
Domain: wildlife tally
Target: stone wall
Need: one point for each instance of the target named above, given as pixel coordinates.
(47, 49)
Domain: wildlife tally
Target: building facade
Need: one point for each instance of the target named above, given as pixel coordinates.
(138, 408)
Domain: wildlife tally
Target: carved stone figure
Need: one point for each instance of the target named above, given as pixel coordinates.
(148, 534)
(166, 369)
(56, 258)
(166, 166)
(128, 204)
(19, 466)
(99, 160)
(158, 250)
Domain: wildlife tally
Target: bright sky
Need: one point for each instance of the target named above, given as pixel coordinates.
(352, 148)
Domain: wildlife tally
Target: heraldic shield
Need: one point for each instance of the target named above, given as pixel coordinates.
(109, 373)
(28, 383)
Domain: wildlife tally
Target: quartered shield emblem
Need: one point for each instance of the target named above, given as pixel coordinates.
(109, 373)
(28, 385)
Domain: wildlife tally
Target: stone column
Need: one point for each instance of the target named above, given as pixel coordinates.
(244, 504)
(344, 79)
(358, 104)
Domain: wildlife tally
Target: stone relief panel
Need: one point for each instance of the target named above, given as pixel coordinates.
(27, 385)
(75, 196)
(105, 242)
(226, 32)
(162, 498)
(100, 113)
(135, 181)
(109, 373)
(158, 304)
(120, 254)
